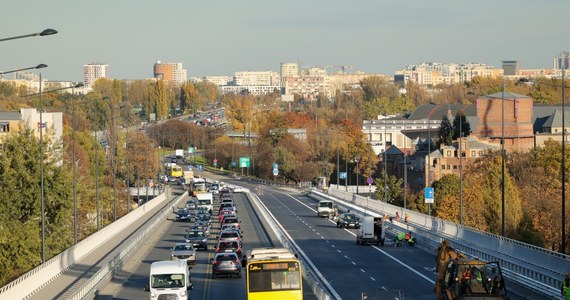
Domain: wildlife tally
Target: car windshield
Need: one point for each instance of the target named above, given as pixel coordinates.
(183, 211)
(230, 220)
(349, 216)
(228, 246)
(326, 204)
(196, 233)
(226, 257)
(229, 234)
(183, 247)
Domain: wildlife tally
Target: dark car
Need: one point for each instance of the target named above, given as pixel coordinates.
(183, 214)
(197, 238)
(226, 263)
(348, 220)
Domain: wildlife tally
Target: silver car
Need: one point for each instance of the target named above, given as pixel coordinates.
(183, 251)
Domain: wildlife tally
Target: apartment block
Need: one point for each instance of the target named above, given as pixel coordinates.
(94, 71)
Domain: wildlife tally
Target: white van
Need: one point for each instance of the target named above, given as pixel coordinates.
(170, 279)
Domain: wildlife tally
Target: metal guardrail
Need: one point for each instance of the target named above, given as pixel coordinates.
(320, 288)
(526, 264)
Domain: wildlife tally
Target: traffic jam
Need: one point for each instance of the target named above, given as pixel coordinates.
(211, 214)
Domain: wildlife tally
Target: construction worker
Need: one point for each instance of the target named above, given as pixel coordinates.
(410, 239)
(565, 289)
(399, 238)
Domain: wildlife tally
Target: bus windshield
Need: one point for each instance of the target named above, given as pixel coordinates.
(274, 276)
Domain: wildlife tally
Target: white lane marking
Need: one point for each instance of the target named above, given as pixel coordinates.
(404, 265)
(338, 251)
(372, 278)
(346, 257)
(353, 263)
(361, 270)
(375, 247)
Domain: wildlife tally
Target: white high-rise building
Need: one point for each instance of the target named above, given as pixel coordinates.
(94, 71)
(289, 70)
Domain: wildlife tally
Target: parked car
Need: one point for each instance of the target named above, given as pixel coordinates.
(226, 263)
(197, 238)
(183, 251)
(183, 214)
(348, 220)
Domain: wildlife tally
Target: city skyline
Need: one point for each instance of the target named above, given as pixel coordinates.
(222, 38)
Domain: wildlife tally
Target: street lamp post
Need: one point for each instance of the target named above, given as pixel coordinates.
(75, 223)
(385, 158)
(460, 172)
(563, 159)
(503, 161)
(42, 33)
(357, 159)
(42, 195)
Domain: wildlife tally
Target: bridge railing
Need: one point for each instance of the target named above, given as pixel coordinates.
(526, 264)
(318, 285)
(34, 280)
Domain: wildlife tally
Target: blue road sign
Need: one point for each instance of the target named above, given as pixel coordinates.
(429, 195)
(199, 168)
(342, 175)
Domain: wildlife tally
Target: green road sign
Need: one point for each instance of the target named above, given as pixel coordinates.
(244, 162)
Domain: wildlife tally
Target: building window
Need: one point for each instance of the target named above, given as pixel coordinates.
(449, 153)
(473, 153)
(443, 167)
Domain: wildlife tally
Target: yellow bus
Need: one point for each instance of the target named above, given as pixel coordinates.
(176, 171)
(273, 273)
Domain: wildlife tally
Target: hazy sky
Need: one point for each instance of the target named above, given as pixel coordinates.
(219, 37)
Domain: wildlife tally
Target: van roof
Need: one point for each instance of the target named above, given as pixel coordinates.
(168, 267)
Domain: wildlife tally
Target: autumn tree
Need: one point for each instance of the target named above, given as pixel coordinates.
(20, 216)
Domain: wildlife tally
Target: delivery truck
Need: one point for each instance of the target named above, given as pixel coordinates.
(371, 231)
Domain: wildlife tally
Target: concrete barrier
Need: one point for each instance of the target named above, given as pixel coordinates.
(34, 280)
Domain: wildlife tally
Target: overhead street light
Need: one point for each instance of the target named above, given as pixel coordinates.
(42, 33)
(40, 66)
(502, 98)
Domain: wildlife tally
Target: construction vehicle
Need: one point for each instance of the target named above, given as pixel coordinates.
(462, 278)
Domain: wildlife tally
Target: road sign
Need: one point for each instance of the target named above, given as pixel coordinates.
(234, 164)
(342, 175)
(275, 169)
(191, 150)
(200, 168)
(370, 180)
(215, 162)
(244, 162)
(429, 195)
(189, 167)
(275, 172)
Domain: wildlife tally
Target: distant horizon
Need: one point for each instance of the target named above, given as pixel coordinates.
(218, 39)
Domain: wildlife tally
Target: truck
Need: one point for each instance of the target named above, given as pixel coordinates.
(463, 278)
(371, 231)
(169, 280)
(205, 200)
(179, 153)
(188, 177)
(326, 208)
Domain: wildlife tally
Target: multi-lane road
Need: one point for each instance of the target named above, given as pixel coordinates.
(382, 272)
